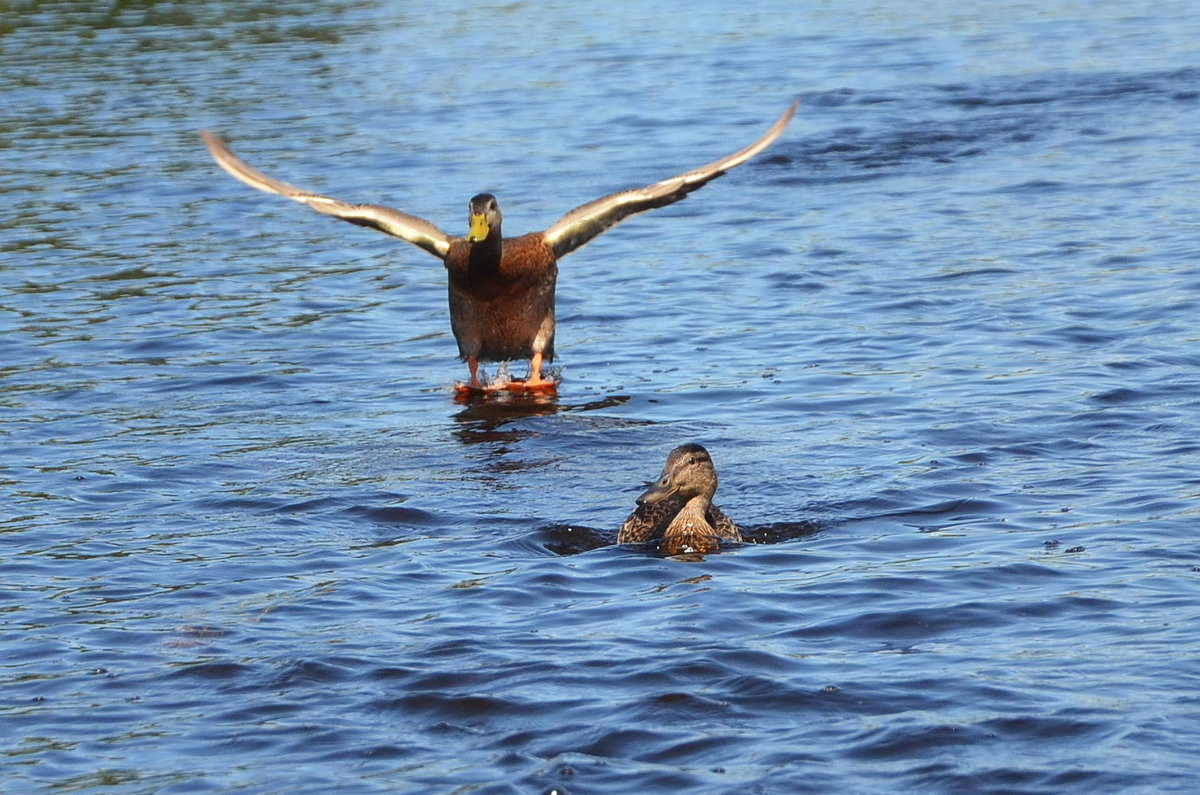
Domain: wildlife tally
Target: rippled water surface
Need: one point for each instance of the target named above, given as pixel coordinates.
(941, 340)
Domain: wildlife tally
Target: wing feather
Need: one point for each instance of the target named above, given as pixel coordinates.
(589, 220)
(407, 227)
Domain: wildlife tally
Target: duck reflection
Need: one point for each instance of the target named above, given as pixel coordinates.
(494, 418)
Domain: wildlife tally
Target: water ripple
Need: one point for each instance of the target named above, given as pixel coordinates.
(939, 339)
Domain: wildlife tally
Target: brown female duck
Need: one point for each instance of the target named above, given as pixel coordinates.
(678, 507)
(502, 290)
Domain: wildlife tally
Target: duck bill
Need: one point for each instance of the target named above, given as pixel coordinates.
(657, 492)
(479, 228)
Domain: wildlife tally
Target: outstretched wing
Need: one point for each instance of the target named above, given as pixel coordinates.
(415, 230)
(585, 222)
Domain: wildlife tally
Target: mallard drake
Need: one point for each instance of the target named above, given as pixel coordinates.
(678, 507)
(502, 290)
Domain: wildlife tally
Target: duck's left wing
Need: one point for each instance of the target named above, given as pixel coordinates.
(723, 525)
(415, 230)
(587, 221)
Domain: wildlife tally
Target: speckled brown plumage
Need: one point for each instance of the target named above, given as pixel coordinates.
(678, 507)
(502, 290)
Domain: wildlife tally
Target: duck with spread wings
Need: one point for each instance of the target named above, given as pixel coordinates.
(502, 289)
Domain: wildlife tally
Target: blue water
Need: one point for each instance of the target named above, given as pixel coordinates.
(941, 341)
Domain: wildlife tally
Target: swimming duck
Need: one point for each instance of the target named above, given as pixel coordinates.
(502, 289)
(678, 507)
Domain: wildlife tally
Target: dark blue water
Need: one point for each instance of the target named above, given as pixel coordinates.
(941, 340)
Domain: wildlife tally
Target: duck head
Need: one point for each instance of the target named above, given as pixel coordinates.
(484, 217)
(689, 472)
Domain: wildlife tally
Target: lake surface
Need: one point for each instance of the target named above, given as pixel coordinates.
(941, 340)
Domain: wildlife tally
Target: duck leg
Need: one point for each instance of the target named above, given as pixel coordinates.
(535, 371)
(473, 366)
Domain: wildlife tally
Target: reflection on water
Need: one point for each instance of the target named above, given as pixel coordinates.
(562, 539)
(572, 539)
(485, 417)
(489, 419)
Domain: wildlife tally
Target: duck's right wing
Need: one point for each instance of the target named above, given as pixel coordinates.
(415, 230)
(648, 521)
